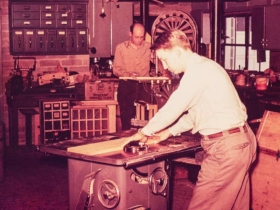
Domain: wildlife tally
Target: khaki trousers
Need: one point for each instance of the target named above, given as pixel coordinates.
(223, 181)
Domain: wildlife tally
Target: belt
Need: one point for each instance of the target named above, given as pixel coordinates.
(226, 132)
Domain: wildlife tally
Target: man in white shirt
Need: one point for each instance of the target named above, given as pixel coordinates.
(212, 107)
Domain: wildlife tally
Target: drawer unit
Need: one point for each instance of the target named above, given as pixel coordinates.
(48, 15)
(55, 121)
(25, 16)
(59, 27)
(79, 16)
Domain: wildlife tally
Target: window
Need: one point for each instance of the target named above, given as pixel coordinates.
(237, 42)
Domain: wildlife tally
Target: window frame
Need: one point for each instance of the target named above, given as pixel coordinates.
(246, 44)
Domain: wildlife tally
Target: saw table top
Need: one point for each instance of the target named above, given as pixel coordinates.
(109, 150)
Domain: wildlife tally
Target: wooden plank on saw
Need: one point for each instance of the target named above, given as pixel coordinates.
(101, 147)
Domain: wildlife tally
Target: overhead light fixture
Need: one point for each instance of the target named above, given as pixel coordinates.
(102, 14)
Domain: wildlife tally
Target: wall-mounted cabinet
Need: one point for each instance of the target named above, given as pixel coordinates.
(108, 26)
(265, 28)
(48, 27)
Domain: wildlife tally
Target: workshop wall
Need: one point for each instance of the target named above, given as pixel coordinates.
(80, 63)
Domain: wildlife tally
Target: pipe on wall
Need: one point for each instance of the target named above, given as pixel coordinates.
(216, 25)
(144, 12)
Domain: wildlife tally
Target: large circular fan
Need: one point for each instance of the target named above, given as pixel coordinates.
(179, 20)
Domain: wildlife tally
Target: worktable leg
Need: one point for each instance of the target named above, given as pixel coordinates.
(13, 126)
(28, 129)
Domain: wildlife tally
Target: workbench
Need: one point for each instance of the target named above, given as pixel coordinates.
(28, 103)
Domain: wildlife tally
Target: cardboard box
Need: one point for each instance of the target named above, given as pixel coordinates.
(96, 91)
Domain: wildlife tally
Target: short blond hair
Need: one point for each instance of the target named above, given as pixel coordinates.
(171, 38)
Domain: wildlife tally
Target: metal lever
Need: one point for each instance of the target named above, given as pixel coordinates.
(72, 42)
(87, 193)
(52, 43)
(30, 43)
(19, 43)
(41, 43)
(83, 42)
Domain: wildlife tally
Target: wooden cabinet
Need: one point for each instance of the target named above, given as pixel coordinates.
(265, 171)
(108, 26)
(265, 28)
(48, 27)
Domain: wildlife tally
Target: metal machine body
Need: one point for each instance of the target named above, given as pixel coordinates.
(114, 187)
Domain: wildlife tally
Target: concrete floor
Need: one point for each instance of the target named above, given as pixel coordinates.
(34, 181)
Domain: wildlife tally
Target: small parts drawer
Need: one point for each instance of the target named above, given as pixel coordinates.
(64, 15)
(79, 8)
(48, 7)
(48, 23)
(64, 8)
(26, 23)
(78, 23)
(45, 15)
(79, 15)
(26, 15)
(25, 7)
